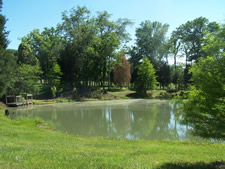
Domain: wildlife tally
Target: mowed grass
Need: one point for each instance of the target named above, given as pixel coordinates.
(113, 94)
(30, 143)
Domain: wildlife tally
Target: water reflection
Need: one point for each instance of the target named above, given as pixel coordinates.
(131, 119)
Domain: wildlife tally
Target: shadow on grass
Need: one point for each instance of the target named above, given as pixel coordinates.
(199, 165)
(139, 95)
(115, 90)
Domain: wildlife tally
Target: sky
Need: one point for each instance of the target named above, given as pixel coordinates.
(26, 15)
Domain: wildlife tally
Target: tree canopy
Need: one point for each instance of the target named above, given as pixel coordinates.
(7, 60)
(204, 108)
(146, 77)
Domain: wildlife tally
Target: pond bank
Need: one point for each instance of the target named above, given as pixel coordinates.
(111, 95)
(30, 143)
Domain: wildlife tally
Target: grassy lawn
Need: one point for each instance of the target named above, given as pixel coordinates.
(111, 95)
(30, 143)
(130, 94)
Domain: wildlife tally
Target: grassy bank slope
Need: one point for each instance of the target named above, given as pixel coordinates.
(111, 95)
(29, 143)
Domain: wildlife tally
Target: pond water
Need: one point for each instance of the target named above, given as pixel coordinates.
(124, 119)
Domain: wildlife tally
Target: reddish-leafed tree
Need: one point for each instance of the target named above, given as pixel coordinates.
(121, 73)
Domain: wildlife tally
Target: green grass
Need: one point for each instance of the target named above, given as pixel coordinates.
(30, 143)
(113, 94)
(50, 101)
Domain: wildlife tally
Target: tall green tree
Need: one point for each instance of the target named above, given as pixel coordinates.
(25, 79)
(44, 46)
(79, 32)
(26, 54)
(146, 77)
(189, 37)
(110, 35)
(151, 39)
(174, 49)
(204, 109)
(108, 42)
(163, 75)
(151, 42)
(3, 33)
(7, 60)
(43, 49)
(179, 75)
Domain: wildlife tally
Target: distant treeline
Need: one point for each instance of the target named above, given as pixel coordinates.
(91, 50)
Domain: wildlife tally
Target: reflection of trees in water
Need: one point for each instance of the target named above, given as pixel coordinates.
(144, 121)
(85, 122)
(162, 129)
(141, 120)
(121, 120)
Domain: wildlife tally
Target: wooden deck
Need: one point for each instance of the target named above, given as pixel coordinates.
(16, 104)
(14, 101)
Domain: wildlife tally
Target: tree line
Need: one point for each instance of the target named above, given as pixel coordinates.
(91, 50)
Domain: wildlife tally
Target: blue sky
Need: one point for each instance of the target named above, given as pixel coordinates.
(25, 15)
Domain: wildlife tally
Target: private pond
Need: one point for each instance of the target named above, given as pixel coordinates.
(123, 119)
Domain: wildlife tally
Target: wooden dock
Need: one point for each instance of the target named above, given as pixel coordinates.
(15, 101)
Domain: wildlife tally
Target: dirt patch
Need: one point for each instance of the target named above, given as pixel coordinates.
(2, 104)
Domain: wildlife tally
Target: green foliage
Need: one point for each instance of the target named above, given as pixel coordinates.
(44, 46)
(53, 91)
(151, 37)
(54, 77)
(177, 76)
(25, 79)
(146, 77)
(90, 46)
(7, 61)
(26, 54)
(7, 65)
(79, 33)
(204, 110)
(3, 33)
(188, 40)
(163, 75)
(214, 42)
(151, 42)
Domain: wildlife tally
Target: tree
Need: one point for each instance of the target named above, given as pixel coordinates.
(204, 108)
(163, 75)
(7, 60)
(174, 48)
(146, 77)
(44, 46)
(189, 38)
(3, 33)
(151, 42)
(26, 54)
(179, 75)
(121, 73)
(79, 32)
(151, 38)
(54, 77)
(25, 79)
(110, 36)
(42, 49)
